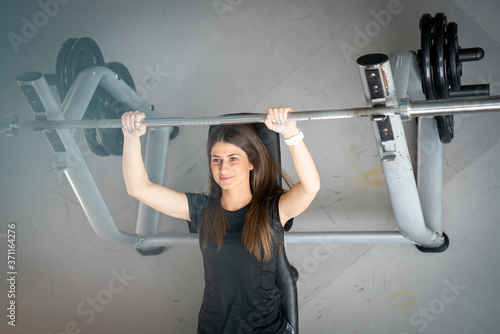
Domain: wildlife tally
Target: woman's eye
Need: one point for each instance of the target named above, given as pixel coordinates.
(215, 160)
(233, 159)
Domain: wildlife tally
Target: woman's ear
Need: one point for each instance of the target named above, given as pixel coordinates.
(251, 167)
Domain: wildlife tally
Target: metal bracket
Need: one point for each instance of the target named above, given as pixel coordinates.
(40, 111)
(375, 86)
(387, 138)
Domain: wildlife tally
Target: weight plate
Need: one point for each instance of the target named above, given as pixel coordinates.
(95, 110)
(174, 133)
(445, 128)
(123, 72)
(454, 64)
(424, 56)
(112, 139)
(440, 77)
(61, 69)
(84, 53)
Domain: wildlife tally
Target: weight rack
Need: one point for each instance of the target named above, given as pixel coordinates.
(417, 210)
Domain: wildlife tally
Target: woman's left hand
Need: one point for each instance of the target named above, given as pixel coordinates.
(277, 121)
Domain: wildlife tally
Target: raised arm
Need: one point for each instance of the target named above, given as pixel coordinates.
(299, 197)
(158, 197)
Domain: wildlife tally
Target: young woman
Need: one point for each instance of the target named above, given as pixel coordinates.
(240, 223)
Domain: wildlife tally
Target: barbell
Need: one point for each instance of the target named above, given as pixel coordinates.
(407, 109)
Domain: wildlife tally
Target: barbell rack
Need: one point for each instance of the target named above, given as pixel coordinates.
(388, 107)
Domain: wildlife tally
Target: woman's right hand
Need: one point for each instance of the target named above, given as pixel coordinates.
(132, 124)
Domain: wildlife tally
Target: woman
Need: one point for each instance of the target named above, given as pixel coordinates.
(240, 223)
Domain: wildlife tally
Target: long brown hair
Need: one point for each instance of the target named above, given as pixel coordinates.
(257, 235)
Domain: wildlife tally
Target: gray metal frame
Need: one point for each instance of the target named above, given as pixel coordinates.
(69, 159)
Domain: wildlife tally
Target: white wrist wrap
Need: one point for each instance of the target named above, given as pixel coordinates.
(295, 139)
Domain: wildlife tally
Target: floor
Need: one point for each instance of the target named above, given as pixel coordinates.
(206, 58)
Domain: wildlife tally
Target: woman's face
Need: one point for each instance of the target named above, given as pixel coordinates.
(230, 166)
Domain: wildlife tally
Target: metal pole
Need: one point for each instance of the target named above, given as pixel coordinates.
(407, 109)
(429, 160)
(455, 106)
(83, 89)
(379, 86)
(430, 148)
(375, 237)
(430, 173)
(291, 238)
(155, 162)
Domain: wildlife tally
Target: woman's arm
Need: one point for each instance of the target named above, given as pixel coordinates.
(299, 197)
(158, 197)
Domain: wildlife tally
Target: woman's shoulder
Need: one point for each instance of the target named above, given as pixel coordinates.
(197, 196)
(273, 200)
(272, 205)
(197, 204)
(274, 213)
(197, 201)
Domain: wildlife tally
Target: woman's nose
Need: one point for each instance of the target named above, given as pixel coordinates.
(224, 166)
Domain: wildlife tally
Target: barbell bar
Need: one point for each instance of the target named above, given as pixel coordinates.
(407, 109)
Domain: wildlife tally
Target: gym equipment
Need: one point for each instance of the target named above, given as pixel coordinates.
(95, 111)
(69, 158)
(415, 211)
(440, 59)
(111, 138)
(62, 68)
(407, 109)
(75, 55)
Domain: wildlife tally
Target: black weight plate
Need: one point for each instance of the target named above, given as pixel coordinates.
(95, 110)
(424, 56)
(84, 53)
(123, 73)
(112, 139)
(61, 69)
(174, 133)
(454, 64)
(440, 77)
(445, 128)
